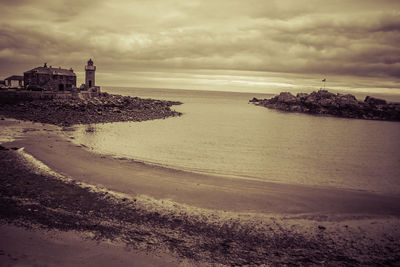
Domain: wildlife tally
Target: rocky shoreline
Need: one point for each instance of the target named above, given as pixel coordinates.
(323, 102)
(104, 108)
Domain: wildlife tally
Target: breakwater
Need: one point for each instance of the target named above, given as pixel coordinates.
(323, 102)
(99, 109)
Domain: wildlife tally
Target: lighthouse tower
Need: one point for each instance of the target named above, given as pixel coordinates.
(89, 77)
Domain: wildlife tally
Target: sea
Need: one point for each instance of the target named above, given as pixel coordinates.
(222, 134)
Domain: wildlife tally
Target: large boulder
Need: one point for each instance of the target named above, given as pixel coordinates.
(347, 101)
(327, 102)
(287, 98)
(374, 101)
(302, 96)
(324, 94)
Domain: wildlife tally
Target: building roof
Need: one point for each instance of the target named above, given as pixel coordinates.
(15, 77)
(53, 71)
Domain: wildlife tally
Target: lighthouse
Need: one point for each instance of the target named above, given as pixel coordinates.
(90, 74)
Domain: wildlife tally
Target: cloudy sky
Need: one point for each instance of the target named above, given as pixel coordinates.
(330, 37)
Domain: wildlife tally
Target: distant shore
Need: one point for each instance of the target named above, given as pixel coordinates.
(192, 217)
(100, 109)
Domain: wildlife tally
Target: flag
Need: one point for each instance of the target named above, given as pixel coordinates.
(324, 80)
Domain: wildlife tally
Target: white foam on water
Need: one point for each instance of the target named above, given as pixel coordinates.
(254, 223)
(10, 133)
(37, 166)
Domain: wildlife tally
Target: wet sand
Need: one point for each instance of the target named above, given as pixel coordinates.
(38, 247)
(204, 218)
(53, 148)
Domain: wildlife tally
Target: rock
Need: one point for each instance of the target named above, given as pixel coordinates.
(347, 100)
(104, 108)
(287, 97)
(327, 102)
(302, 96)
(324, 94)
(296, 108)
(374, 101)
(324, 102)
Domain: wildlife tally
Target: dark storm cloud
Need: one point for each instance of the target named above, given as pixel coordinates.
(369, 41)
(340, 37)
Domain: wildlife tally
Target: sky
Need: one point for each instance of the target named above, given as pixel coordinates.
(358, 38)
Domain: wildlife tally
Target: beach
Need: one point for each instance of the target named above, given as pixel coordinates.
(191, 217)
(200, 133)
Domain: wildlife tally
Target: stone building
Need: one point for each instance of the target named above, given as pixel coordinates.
(50, 79)
(14, 81)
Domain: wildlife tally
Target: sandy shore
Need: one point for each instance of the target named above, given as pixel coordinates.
(38, 247)
(53, 148)
(207, 217)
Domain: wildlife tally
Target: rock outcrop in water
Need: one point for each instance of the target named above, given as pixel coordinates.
(327, 103)
(105, 108)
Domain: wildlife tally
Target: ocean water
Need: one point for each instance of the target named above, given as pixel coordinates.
(221, 133)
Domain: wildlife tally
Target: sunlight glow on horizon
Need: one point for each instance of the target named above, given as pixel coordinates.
(243, 81)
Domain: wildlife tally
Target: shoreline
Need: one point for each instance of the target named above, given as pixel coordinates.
(51, 146)
(171, 168)
(223, 193)
(193, 216)
(98, 109)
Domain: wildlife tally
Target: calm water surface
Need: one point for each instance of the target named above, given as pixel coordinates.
(220, 133)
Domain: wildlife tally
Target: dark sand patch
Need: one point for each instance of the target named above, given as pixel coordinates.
(39, 247)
